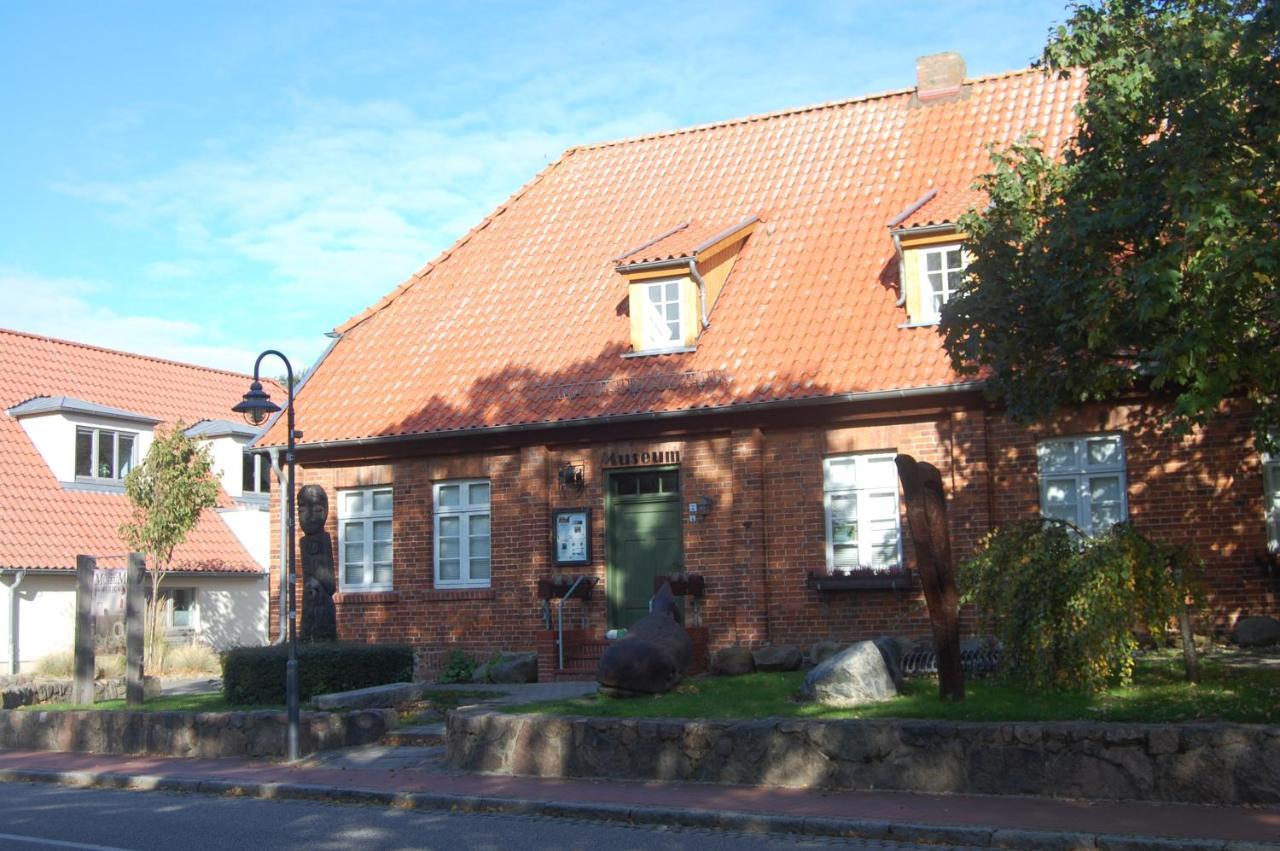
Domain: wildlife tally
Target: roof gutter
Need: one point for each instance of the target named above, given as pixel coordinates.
(661, 416)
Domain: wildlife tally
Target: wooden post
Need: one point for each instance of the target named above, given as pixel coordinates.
(85, 664)
(927, 518)
(135, 608)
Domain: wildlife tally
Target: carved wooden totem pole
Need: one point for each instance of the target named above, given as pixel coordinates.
(319, 619)
(927, 517)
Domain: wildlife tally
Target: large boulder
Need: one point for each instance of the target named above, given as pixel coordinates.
(856, 675)
(732, 661)
(515, 668)
(653, 656)
(1258, 631)
(891, 651)
(783, 657)
(823, 650)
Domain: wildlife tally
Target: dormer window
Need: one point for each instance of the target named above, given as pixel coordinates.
(256, 474)
(103, 454)
(674, 281)
(662, 321)
(941, 272)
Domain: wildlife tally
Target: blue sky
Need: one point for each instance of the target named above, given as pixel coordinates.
(204, 180)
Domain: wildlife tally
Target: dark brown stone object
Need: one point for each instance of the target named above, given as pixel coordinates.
(319, 617)
(654, 655)
(927, 518)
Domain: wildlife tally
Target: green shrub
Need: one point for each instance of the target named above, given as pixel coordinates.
(1064, 607)
(255, 675)
(458, 668)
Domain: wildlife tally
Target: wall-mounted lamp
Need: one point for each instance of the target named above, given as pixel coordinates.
(572, 476)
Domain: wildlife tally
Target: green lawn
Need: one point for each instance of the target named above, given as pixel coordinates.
(1158, 693)
(214, 702)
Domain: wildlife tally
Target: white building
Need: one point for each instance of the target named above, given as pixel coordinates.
(76, 419)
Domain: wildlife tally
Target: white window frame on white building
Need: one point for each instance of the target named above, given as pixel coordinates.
(118, 470)
(462, 542)
(948, 278)
(1271, 495)
(658, 321)
(366, 557)
(860, 500)
(169, 599)
(260, 465)
(1074, 473)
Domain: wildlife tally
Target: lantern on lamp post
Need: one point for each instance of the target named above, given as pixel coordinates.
(257, 407)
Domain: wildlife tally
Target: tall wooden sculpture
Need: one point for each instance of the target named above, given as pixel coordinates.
(927, 517)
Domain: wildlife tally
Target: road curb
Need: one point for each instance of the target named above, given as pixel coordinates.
(904, 832)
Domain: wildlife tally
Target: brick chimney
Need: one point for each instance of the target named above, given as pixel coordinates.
(939, 76)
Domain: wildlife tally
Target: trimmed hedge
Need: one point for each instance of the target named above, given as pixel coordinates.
(255, 675)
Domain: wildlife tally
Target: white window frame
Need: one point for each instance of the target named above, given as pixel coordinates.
(863, 495)
(170, 608)
(261, 465)
(1271, 499)
(1081, 473)
(464, 511)
(116, 434)
(928, 311)
(653, 316)
(366, 518)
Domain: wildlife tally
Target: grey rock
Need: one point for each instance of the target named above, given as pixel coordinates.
(821, 651)
(891, 651)
(856, 675)
(481, 673)
(732, 661)
(784, 657)
(1258, 631)
(515, 668)
(369, 698)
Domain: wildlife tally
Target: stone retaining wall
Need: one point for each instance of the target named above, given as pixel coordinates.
(23, 690)
(202, 734)
(1193, 763)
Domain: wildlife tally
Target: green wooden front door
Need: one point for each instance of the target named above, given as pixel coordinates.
(643, 528)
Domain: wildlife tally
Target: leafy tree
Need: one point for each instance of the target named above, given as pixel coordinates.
(1065, 607)
(168, 491)
(1147, 254)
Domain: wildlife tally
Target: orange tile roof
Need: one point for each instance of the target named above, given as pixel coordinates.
(684, 241)
(945, 206)
(517, 324)
(44, 525)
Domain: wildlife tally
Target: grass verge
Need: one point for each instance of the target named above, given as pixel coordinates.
(1158, 693)
(212, 702)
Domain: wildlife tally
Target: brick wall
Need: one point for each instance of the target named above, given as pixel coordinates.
(766, 529)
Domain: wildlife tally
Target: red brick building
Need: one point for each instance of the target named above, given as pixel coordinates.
(698, 352)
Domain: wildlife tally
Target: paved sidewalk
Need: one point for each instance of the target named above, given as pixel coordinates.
(419, 781)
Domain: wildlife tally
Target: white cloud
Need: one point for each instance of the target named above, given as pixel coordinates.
(65, 308)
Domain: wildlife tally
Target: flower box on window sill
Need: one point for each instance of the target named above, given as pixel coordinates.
(860, 580)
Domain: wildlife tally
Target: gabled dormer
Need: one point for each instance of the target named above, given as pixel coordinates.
(83, 443)
(930, 250)
(674, 281)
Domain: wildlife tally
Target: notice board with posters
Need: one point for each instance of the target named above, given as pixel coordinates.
(571, 536)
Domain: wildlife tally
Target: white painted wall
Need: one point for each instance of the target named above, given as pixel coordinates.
(228, 463)
(230, 611)
(54, 436)
(252, 525)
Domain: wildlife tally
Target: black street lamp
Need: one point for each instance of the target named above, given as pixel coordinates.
(257, 407)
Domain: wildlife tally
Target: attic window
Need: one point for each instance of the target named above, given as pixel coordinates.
(102, 454)
(941, 271)
(674, 280)
(662, 321)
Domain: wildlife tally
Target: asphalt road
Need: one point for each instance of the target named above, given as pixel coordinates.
(36, 817)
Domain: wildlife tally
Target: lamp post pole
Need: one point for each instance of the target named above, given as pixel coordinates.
(253, 406)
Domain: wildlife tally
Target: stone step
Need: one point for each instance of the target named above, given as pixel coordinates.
(418, 736)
